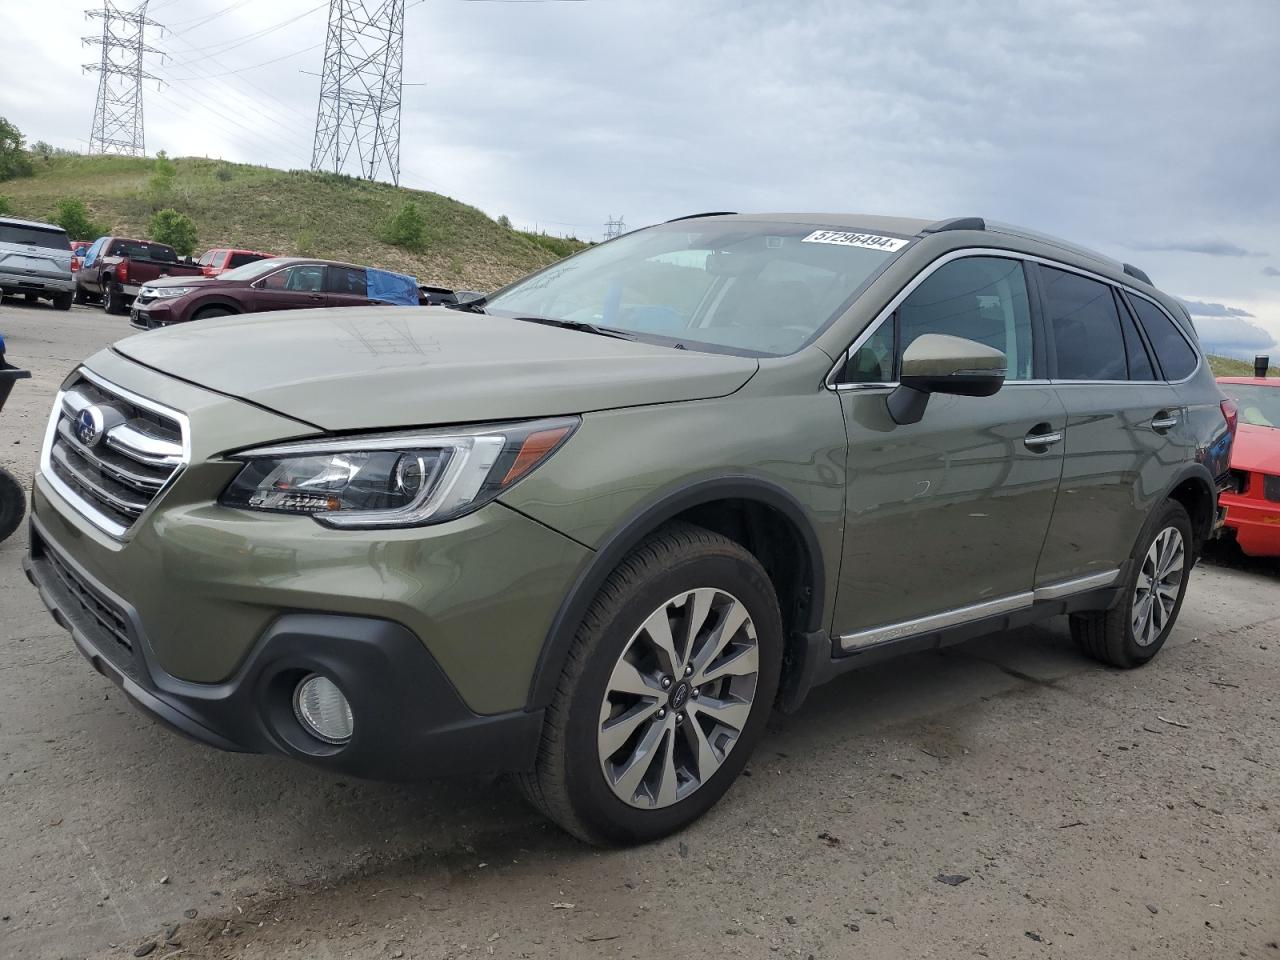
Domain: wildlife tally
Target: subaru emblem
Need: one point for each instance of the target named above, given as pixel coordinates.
(89, 426)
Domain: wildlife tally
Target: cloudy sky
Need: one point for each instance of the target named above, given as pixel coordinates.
(1149, 129)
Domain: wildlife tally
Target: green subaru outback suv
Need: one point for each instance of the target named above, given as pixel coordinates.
(592, 529)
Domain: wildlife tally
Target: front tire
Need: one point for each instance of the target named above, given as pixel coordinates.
(82, 295)
(1134, 630)
(209, 313)
(62, 301)
(13, 504)
(666, 691)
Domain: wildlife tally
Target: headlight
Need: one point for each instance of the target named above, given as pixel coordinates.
(394, 480)
(164, 293)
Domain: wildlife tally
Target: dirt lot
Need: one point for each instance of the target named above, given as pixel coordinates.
(1093, 813)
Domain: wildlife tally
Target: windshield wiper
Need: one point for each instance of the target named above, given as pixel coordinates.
(474, 305)
(578, 325)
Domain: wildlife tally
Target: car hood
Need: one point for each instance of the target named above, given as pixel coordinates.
(1256, 449)
(360, 368)
(181, 281)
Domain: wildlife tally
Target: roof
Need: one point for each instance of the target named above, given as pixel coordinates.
(14, 221)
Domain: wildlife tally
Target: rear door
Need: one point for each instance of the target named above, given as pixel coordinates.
(36, 254)
(347, 287)
(291, 288)
(1119, 460)
(946, 518)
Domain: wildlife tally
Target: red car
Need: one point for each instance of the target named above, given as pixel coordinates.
(217, 262)
(1253, 506)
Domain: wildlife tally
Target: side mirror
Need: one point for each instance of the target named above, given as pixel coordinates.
(938, 363)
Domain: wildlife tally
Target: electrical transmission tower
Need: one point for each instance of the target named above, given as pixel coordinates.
(358, 120)
(117, 113)
(614, 228)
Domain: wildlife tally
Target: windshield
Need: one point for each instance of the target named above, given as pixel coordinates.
(251, 271)
(34, 236)
(737, 286)
(1258, 405)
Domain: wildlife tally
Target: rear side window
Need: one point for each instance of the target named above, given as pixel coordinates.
(207, 259)
(978, 298)
(350, 280)
(1140, 367)
(1177, 358)
(1085, 326)
(34, 237)
(240, 259)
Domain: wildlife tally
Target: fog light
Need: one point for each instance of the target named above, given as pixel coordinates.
(322, 709)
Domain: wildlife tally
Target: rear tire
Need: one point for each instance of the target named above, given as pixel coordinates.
(112, 299)
(13, 504)
(1134, 630)
(685, 720)
(82, 295)
(62, 301)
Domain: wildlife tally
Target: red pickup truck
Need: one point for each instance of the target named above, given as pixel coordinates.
(115, 268)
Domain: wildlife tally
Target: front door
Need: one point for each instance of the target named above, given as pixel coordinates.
(295, 287)
(946, 518)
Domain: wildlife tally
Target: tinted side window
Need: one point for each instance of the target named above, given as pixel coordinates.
(349, 280)
(1086, 327)
(978, 298)
(1140, 367)
(1176, 356)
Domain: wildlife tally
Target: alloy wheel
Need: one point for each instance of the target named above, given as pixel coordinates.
(1156, 592)
(678, 698)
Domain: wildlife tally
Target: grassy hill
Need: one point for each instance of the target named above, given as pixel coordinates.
(289, 213)
(1227, 367)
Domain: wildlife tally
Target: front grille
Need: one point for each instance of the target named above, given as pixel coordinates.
(1271, 487)
(107, 615)
(127, 452)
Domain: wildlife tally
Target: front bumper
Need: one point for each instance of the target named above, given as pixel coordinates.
(27, 282)
(410, 722)
(148, 316)
(1255, 524)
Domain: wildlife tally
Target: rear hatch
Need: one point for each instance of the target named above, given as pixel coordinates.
(34, 252)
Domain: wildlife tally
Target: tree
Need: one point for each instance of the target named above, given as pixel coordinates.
(14, 161)
(176, 229)
(163, 173)
(504, 221)
(73, 217)
(407, 229)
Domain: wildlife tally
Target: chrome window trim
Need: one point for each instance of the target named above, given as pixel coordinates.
(874, 636)
(999, 252)
(86, 509)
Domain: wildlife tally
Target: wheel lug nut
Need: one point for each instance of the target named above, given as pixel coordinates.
(679, 718)
(688, 671)
(696, 693)
(666, 683)
(662, 714)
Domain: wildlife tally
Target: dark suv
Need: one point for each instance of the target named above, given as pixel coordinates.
(594, 529)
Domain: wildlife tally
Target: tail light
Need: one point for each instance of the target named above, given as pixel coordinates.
(122, 271)
(1231, 414)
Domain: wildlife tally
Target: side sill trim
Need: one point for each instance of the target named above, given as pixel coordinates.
(1065, 588)
(862, 639)
(937, 621)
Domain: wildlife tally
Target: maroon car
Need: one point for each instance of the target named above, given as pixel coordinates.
(281, 283)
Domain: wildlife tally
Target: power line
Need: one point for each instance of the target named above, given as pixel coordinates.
(117, 112)
(358, 116)
(614, 227)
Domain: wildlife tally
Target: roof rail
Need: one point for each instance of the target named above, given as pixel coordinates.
(956, 223)
(710, 213)
(1137, 274)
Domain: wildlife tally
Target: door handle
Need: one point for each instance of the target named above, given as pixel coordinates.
(1164, 420)
(1042, 437)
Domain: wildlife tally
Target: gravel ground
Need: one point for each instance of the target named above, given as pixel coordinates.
(1076, 811)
